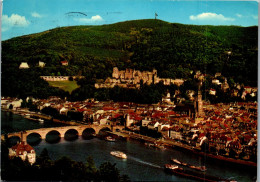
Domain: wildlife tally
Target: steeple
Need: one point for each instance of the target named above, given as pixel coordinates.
(199, 103)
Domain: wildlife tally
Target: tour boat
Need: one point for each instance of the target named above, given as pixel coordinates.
(171, 166)
(118, 154)
(109, 138)
(199, 168)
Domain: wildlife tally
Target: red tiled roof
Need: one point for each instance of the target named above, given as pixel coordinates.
(109, 108)
(21, 147)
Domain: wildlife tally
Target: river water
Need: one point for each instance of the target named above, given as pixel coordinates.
(143, 163)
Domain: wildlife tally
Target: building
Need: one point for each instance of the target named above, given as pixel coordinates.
(131, 78)
(24, 65)
(41, 64)
(199, 105)
(64, 63)
(59, 78)
(24, 151)
(212, 91)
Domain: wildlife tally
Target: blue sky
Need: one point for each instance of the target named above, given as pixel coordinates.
(22, 17)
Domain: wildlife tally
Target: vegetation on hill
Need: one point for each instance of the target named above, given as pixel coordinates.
(92, 51)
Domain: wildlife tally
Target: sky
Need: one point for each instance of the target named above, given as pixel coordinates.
(22, 17)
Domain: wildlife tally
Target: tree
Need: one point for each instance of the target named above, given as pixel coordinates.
(109, 172)
(90, 165)
(50, 111)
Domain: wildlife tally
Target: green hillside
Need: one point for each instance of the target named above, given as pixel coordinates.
(64, 85)
(173, 49)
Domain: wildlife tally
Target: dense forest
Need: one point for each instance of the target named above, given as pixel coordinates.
(92, 51)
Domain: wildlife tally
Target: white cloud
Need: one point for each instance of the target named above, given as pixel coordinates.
(211, 16)
(93, 19)
(36, 15)
(239, 15)
(14, 20)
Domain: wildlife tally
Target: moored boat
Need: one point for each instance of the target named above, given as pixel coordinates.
(179, 162)
(110, 139)
(199, 168)
(118, 154)
(41, 121)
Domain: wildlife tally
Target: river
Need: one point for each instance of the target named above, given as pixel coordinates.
(143, 163)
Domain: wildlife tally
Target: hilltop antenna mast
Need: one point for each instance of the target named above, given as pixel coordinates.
(155, 15)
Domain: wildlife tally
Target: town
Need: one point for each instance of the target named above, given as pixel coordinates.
(228, 130)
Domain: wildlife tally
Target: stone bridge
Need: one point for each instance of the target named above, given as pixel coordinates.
(61, 130)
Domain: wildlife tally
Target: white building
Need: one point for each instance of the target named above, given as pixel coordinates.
(23, 150)
(24, 65)
(41, 64)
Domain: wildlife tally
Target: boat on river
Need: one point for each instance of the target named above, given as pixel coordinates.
(199, 168)
(41, 121)
(176, 170)
(118, 154)
(110, 139)
(155, 145)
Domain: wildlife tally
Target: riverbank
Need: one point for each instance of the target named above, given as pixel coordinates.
(25, 113)
(183, 147)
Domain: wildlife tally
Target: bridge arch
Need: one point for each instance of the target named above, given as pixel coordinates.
(53, 136)
(88, 133)
(34, 138)
(71, 134)
(104, 129)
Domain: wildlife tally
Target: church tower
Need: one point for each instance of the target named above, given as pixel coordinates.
(199, 103)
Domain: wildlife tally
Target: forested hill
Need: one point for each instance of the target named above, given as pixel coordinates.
(173, 49)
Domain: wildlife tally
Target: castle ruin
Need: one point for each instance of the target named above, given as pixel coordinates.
(131, 78)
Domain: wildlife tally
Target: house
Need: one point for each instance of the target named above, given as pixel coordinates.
(216, 81)
(248, 89)
(212, 91)
(175, 133)
(41, 64)
(163, 125)
(14, 104)
(64, 110)
(235, 93)
(64, 63)
(24, 65)
(167, 98)
(146, 121)
(153, 125)
(24, 151)
(190, 94)
(217, 74)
